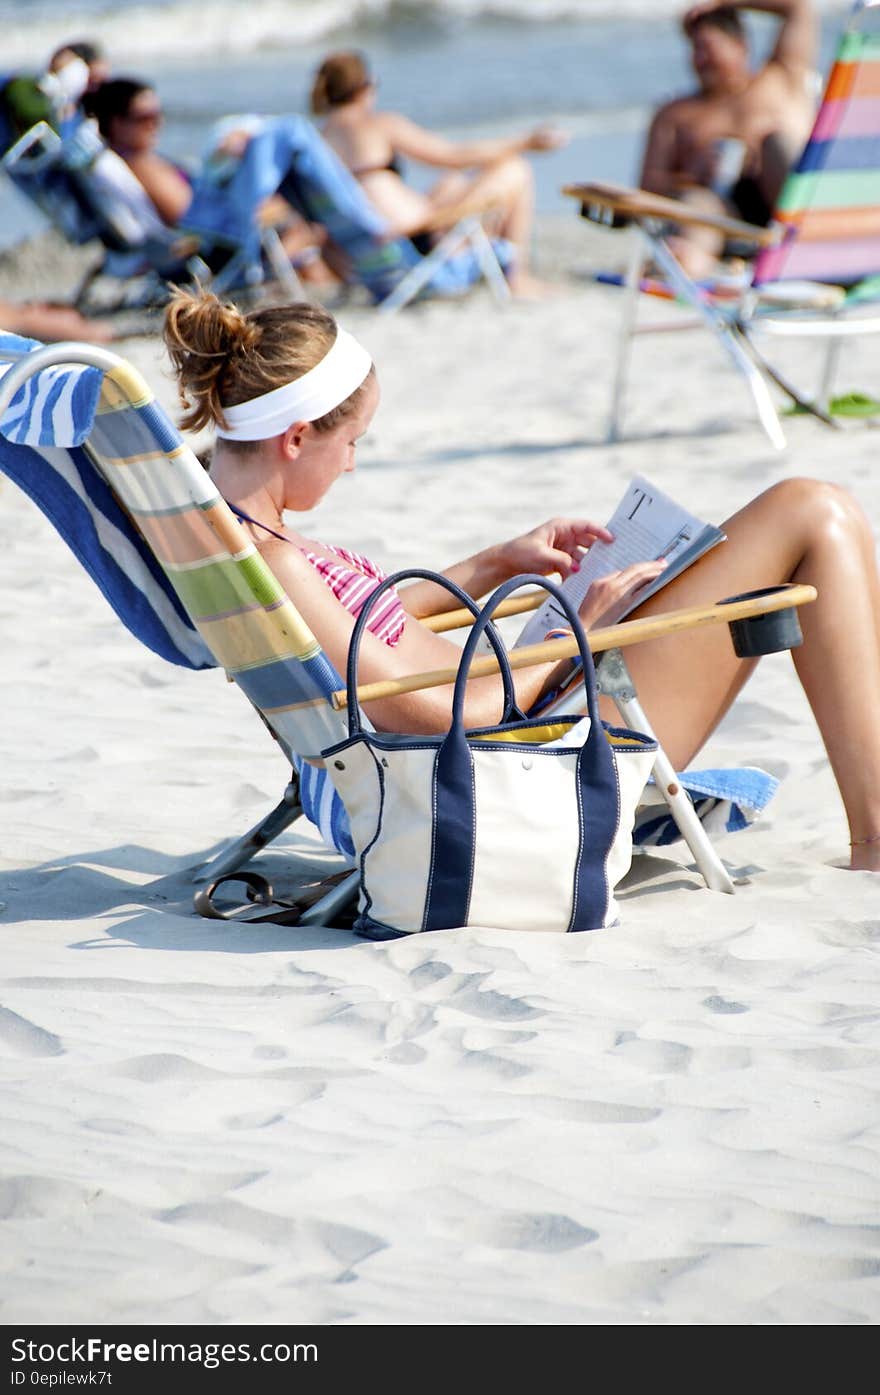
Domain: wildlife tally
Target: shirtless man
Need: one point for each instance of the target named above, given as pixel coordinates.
(769, 113)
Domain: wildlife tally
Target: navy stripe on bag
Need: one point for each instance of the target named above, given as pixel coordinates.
(455, 818)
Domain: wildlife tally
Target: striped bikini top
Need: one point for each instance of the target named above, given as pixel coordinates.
(352, 578)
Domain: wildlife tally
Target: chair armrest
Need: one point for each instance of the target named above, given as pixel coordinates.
(458, 619)
(38, 147)
(610, 637)
(638, 204)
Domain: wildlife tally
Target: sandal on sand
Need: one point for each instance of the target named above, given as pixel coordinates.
(854, 404)
(848, 404)
(285, 910)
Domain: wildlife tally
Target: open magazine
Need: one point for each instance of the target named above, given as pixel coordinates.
(646, 524)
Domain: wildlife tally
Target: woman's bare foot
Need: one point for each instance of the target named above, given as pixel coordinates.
(525, 286)
(866, 857)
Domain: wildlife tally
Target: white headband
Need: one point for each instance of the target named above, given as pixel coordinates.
(342, 369)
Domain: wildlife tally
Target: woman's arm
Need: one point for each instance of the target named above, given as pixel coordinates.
(420, 651)
(416, 143)
(659, 164)
(797, 44)
(165, 185)
(555, 546)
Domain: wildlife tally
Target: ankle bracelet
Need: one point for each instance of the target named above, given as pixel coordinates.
(860, 842)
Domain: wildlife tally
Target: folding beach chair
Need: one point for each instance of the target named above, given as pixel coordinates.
(824, 237)
(393, 272)
(81, 433)
(88, 192)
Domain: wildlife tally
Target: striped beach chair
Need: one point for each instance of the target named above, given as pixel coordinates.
(817, 270)
(100, 458)
(82, 435)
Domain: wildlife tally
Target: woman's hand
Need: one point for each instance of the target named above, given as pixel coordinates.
(555, 546)
(705, 7)
(609, 596)
(233, 145)
(547, 138)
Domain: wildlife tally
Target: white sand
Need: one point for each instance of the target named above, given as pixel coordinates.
(675, 1121)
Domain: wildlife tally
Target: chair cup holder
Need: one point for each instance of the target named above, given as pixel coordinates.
(764, 634)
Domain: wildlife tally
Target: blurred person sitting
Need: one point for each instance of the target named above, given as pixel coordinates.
(129, 116)
(373, 144)
(53, 96)
(90, 53)
(727, 147)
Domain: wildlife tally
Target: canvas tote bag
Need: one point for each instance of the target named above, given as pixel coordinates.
(526, 825)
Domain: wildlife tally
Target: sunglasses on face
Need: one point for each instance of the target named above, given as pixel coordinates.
(144, 118)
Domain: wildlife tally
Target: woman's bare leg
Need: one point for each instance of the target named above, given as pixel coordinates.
(803, 531)
(41, 320)
(509, 184)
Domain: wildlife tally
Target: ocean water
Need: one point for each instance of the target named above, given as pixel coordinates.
(597, 68)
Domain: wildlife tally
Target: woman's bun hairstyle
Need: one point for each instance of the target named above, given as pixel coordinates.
(203, 335)
(223, 358)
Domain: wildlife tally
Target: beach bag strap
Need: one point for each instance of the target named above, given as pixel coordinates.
(483, 624)
(455, 814)
(511, 711)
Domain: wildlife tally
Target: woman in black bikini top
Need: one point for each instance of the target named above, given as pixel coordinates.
(489, 173)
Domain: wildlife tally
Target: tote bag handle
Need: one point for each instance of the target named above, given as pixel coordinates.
(455, 827)
(511, 711)
(483, 623)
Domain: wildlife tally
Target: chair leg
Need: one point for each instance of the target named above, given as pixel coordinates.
(282, 268)
(829, 373)
(625, 332)
(743, 362)
(415, 280)
(814, 408)
(236, 854)
(80, 298)
(617, 684)
(337, 899)
(489, 263)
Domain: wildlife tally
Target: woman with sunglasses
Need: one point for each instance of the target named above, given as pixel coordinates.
(129, 117)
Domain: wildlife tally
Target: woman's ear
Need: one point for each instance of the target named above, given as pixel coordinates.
(294, 438)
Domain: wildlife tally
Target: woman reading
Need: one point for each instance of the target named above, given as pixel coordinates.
(289, 394)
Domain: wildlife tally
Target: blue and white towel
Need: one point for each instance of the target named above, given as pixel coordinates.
(725, 801)
(54, 408)
(41, 451)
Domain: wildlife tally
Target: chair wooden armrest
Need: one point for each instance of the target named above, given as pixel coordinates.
(638, 204)
(611, 637)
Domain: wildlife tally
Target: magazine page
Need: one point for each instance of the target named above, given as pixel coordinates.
(646, 524)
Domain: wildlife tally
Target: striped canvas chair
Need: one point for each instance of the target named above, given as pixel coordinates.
(81, 433)
(98, 455)
(818, 264)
